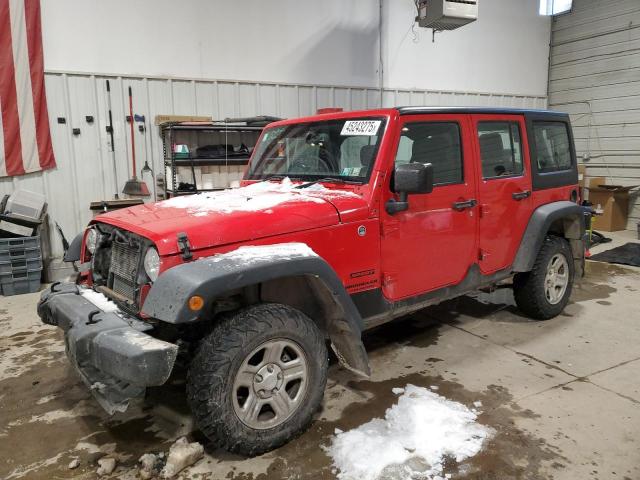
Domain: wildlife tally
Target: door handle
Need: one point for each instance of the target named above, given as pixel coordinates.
(460, 206)
(521, 195)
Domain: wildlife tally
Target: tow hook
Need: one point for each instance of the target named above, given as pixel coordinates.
(91, 321)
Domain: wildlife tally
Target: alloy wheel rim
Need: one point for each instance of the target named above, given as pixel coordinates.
(556, 280)
(270, 384)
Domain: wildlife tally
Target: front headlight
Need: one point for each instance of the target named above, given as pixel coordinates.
(91, 240)
(152, 264)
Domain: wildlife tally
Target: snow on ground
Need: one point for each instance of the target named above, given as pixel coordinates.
(99, 300)
(256, 253)
(412, 440)
(260, 196)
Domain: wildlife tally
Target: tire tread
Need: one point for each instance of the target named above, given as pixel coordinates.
(210, 373)
(528, 287)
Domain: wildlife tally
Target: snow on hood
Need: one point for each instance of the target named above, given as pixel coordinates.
(252, 198)
(256, 211)
(412, 440)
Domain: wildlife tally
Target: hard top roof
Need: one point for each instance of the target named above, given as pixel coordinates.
(354, 114)
(478, 110)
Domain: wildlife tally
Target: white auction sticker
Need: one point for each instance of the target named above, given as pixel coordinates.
(361, 127)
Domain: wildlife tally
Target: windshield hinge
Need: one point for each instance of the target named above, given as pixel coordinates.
(184, 246)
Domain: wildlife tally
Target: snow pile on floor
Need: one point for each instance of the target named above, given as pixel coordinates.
(150, 465)
(256, 253)
(412, 440)
(99, 300)
(106, 466)
(182, 454)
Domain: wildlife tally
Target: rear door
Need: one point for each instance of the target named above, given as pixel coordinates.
(504, 187)
(433, 243)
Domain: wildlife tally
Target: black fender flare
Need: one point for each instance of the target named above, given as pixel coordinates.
(73, 252)
(538, 227)
(211, 277)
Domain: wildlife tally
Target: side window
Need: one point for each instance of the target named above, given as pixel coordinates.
(552, 146)
(437, 143)
(500, 149)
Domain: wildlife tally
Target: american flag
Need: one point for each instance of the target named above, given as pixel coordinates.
(25, 143)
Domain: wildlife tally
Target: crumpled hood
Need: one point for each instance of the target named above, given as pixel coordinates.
(256, 211)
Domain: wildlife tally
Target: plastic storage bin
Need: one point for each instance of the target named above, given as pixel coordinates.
(20, 281)
(20, 265)
(26, 204)
(19, 243)
(20, 253)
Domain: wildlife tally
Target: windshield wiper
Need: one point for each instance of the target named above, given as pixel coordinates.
(274, 177)
(279, 177)
(329, 180)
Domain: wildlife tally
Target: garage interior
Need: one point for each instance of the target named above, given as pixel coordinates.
(185, 90)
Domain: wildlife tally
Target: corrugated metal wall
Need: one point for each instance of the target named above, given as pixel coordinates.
(85, 171)
(595, 76)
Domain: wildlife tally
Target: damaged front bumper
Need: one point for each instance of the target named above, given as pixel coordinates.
(111, 352)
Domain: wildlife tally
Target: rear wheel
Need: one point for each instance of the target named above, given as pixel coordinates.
(257, 378)
(544, 292)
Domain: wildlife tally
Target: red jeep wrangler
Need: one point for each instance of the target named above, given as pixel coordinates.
(344, 221)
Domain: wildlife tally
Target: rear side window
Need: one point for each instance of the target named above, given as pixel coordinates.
(552, 146)
(500, 149)
(437, 143)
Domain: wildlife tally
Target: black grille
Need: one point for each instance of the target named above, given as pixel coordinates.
(124, 287)
(125, 259)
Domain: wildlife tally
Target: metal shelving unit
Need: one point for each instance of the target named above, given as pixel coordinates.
(217, 147)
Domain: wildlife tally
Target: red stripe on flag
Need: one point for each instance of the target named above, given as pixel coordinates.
(8, 96)
(36, 67)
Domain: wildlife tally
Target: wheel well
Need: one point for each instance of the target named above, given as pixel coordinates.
(315, 298)
(305, 293)
(564, 219)
(570, 228)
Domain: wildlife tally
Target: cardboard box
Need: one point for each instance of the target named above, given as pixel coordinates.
(595, 182)
(614, 201)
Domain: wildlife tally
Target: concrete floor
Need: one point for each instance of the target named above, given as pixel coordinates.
(562, 395)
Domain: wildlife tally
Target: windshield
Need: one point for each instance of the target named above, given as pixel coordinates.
(342, 149)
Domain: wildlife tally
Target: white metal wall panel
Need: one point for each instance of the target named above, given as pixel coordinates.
(595, 77)
(85, 171)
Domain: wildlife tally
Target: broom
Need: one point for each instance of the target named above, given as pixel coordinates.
(134, 187)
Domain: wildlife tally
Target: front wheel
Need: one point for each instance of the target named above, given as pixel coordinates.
(257, 378)
(543, 292)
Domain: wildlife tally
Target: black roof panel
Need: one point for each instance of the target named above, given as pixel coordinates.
(479, 110)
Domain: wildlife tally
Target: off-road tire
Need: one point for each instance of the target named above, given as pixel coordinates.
(212, 371)
(529, 287)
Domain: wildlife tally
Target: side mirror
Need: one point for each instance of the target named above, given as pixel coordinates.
(410, 178)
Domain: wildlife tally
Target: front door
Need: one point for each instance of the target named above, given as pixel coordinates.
(432, 244)
(504, 187)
